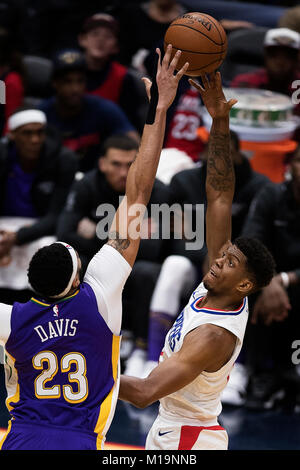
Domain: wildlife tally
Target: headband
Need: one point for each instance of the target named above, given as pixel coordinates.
(28, 116)
(75, 269)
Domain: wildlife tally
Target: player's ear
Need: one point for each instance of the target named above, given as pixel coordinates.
(245, 286)
(76, 281)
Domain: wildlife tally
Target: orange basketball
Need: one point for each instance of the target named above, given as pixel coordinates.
(201, 39)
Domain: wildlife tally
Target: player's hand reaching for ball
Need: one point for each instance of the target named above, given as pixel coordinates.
(213, 96)
(167, 81)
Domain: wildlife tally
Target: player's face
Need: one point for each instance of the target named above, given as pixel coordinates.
(29, 140)
(99, 43)
(70, 88)
(281, 62)
(227, 271)
(115, 165)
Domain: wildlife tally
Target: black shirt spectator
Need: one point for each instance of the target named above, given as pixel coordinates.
(105, 185)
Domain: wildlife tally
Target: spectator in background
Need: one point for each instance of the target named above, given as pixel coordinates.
(84, 121)
(282, 47)
(184, 124)
(274, 218)
(106, 77)
(35, 176)
(12, 74)
(188, 187)
(78, 223)
(54, 25)
(291, 19)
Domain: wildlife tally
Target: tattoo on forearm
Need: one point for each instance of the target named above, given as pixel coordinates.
(120, 244)
(220, 171)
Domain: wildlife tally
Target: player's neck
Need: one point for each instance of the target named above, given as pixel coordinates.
(221, 302)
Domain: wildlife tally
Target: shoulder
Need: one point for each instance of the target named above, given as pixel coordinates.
(251, 78)
(13, 78)
(189, 175)
(160, 192)
(97, 103)
(88, 182)
(46, 104)
(67, 157)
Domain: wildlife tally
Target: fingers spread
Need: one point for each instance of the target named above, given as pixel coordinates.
(195, 84)
(167, 56)
(174, 61)
(182, 71)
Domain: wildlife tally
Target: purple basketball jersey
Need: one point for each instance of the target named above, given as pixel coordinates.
(64, 363)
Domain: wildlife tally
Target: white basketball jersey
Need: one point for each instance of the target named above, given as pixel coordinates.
(200, 400)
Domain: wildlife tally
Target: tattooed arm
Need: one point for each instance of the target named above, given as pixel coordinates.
(220, 178)
(124, 234)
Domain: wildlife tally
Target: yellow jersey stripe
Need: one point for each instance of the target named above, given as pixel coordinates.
(12, 399)
(5, 435)
(106, 406)
(36, 301)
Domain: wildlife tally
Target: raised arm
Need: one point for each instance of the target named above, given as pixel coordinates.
(220, 171)
(124, 233)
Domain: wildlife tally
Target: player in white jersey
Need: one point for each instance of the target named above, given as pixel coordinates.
(205, 340)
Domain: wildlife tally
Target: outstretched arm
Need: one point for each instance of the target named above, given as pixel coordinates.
(208, 347)
(125, 230)
(220, 178)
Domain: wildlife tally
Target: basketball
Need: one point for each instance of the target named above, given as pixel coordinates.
(201, 39)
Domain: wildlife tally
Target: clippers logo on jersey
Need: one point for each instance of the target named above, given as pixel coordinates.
(175, 332)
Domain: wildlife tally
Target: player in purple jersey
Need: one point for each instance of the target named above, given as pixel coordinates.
(62, 347)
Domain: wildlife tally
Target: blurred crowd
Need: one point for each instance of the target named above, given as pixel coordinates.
(70, 128)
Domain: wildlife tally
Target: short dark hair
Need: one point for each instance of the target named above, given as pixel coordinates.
(260, 263)
(50, 270)
(121, 142)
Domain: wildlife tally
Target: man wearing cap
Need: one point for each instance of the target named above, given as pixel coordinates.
(36, 173)
(106, 77)
(83, 121)
(281, 47)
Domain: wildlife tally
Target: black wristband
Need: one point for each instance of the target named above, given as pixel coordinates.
(153, 103)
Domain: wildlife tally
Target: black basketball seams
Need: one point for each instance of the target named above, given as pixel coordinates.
(196, 52)
(217, 28)
(197, 31)
(215, 24)
(204, 66)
